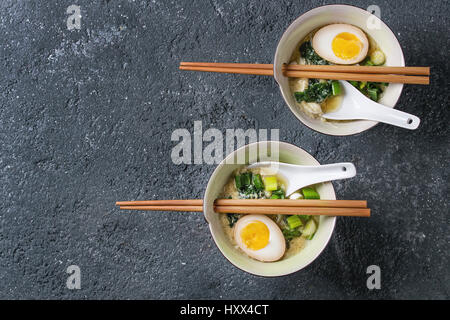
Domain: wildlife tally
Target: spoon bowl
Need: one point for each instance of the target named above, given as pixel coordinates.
(299, 176)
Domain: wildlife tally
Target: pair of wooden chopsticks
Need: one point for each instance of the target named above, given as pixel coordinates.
(352, 208)
(411, 75)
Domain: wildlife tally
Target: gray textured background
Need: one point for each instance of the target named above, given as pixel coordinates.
(86, 118)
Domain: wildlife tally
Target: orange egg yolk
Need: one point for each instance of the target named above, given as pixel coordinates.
(255, 235)
(346, 46)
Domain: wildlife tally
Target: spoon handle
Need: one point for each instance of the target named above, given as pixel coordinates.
(310, 175)
(329, 172)
(378, 112)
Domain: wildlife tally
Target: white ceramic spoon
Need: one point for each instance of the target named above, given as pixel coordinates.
(298, 176)
(356, 106)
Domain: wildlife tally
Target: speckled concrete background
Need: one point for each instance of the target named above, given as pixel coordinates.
(86, 118)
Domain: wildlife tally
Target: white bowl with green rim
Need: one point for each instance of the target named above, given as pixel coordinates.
(287, 153)
(323, 16)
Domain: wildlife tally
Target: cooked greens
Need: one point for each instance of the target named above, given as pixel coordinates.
(377, 57)
(372, 90)
(270, 183)
(258, 182)
(301, 225)
(318, 91)
(290, 234)
(336, 88)
(278, 194)
(311, 57)
(310, 193)
(310, 229)
(232, 218)
(250, 186)
(294, 222)
(254, 186)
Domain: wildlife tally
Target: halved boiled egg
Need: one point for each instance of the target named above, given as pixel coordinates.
(259, 237)
(341, 43)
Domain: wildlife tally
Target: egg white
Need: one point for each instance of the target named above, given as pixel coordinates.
(275, 248)
(323, 38)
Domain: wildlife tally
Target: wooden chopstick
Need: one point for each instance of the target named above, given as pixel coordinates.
(255, 71)
(353, 212)
(227, 65)
(191, 202)
(323, 211)
(251, 202)
(391, 78)
(424, 71)
(164, 208)
(356, 208)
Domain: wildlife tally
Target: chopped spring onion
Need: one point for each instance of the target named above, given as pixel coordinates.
(362, 85)
(280, 193)
(294, 222)
(257, 182)
(336, 88)
(378, 58)
(310, 229)
(310, 193)
(373, 94)
(246, 178)
(270, 183)
(237, 181)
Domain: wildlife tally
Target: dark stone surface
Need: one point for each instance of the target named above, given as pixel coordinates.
(86, 118)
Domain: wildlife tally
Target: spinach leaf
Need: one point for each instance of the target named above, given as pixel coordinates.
(232, 219)
(307, 52)
(290, 234)
(316, 92)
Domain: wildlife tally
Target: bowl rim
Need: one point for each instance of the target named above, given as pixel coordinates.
(289, 146)
(292, 26)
